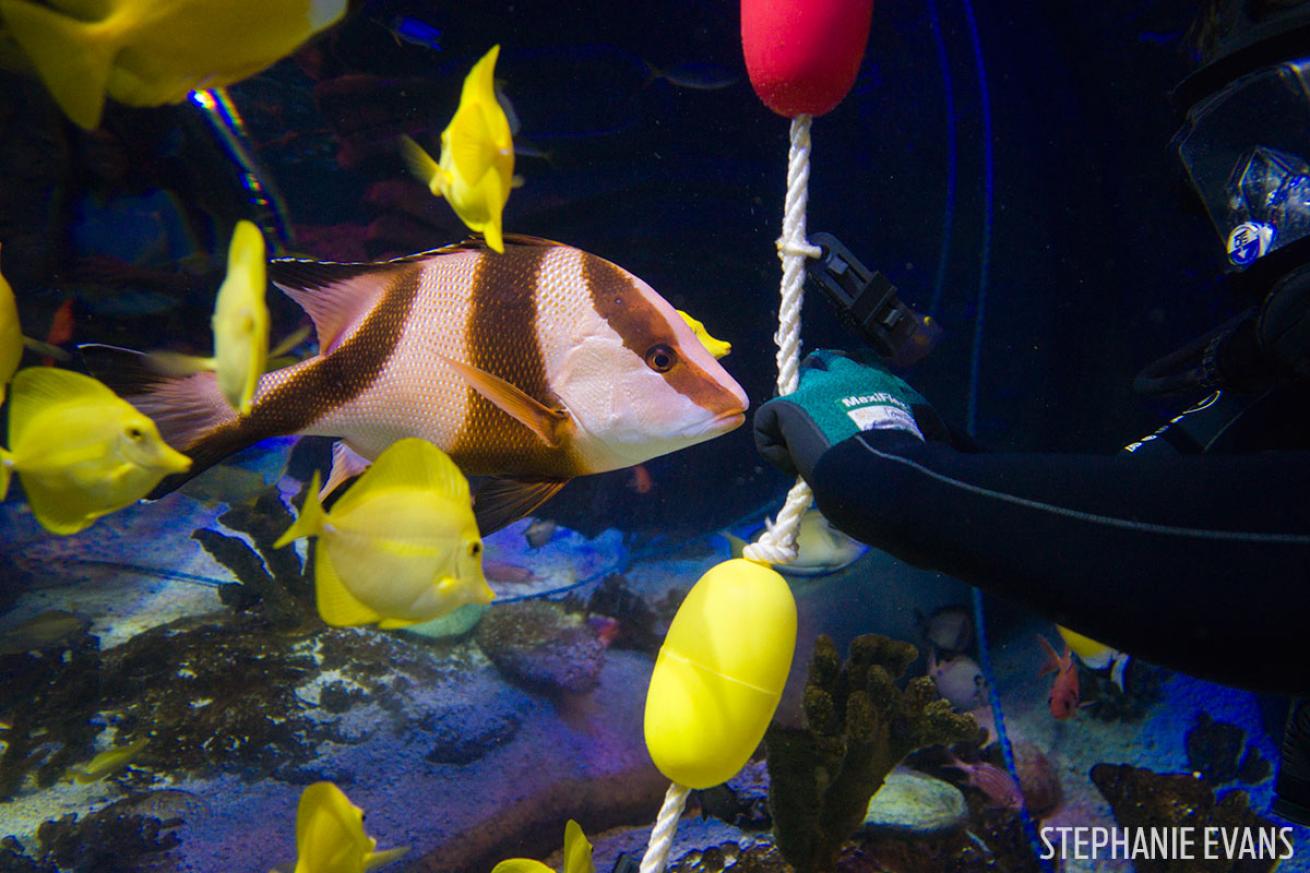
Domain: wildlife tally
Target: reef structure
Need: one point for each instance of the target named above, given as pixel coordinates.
(858, 724)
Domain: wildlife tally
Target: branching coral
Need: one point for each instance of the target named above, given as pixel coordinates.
(270, 578)
(858, 726)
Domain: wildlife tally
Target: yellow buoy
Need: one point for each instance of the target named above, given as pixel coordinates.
(720, 673)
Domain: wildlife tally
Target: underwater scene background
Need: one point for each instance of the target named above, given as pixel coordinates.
(169, 690)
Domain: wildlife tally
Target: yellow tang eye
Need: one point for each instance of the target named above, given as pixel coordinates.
(661, 358)
(475, 549)
(134, 433)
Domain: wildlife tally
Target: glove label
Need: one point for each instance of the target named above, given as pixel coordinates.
(880, 411)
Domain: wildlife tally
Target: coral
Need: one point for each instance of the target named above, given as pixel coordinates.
(1213, 748)
(120, 838)
(270, 579)
(538, 644)
(1141, 798)
(1105, 701)
(49, 701)
(640, 626)
(858, 726)
(1254, 768)
(111, 840)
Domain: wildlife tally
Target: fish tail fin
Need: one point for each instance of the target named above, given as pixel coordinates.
(72, 57)
(311, 518)
(191, 412)
(421, 164)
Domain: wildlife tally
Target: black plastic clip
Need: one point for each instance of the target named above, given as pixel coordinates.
(867, 303)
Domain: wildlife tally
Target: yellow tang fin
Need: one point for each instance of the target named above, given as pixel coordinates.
(473, 131)
(521, 865)
(373, 860)
(410, 464)
(73, 57)
(515, 402)
(6, 471)
(37, 388)
(311, 518)
(577, 850)
(421, 164)
(495, 195)
(336, 605)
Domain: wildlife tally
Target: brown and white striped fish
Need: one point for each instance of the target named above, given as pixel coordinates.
(533, 367)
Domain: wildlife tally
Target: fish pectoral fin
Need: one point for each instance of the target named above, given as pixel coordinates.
(513, 401)
(500, 502)
(336, 605)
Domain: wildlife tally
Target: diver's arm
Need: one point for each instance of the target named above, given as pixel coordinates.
(1199, 563)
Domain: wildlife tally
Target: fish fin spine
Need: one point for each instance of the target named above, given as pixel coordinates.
(311, 518)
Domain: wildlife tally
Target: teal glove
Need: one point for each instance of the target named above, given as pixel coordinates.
(837, 398)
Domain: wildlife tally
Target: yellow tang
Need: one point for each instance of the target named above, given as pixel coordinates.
(108, 762)
(82, 451)
(401, 546)
(577, 856)
(240, 325)
(476, 170)
(241, 319)
(330, 835)
(11, 336)
(716, 347)
(152, 52)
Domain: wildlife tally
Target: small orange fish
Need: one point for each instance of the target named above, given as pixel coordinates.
(641, 481)
(1064, 690)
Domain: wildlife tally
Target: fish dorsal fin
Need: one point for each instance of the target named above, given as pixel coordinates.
(336, 296)
(336, 605)
(577, 850)
(411, 464)
(346, 465)
(1052, 663)
(500, 502)
(37, 388)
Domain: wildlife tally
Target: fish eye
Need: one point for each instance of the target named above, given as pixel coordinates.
(661, 358)
(475, 549)
(135, 433)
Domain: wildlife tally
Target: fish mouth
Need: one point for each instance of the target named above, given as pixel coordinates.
(728, 421)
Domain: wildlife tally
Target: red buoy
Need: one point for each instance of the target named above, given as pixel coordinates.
(802, 55)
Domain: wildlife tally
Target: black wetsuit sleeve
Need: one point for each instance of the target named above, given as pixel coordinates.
(1199, 563)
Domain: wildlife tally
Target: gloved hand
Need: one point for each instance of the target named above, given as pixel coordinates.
(837, 398)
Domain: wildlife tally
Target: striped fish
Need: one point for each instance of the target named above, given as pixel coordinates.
(532, 367)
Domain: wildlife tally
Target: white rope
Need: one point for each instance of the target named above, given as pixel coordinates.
(661, 838)
(778, 544)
